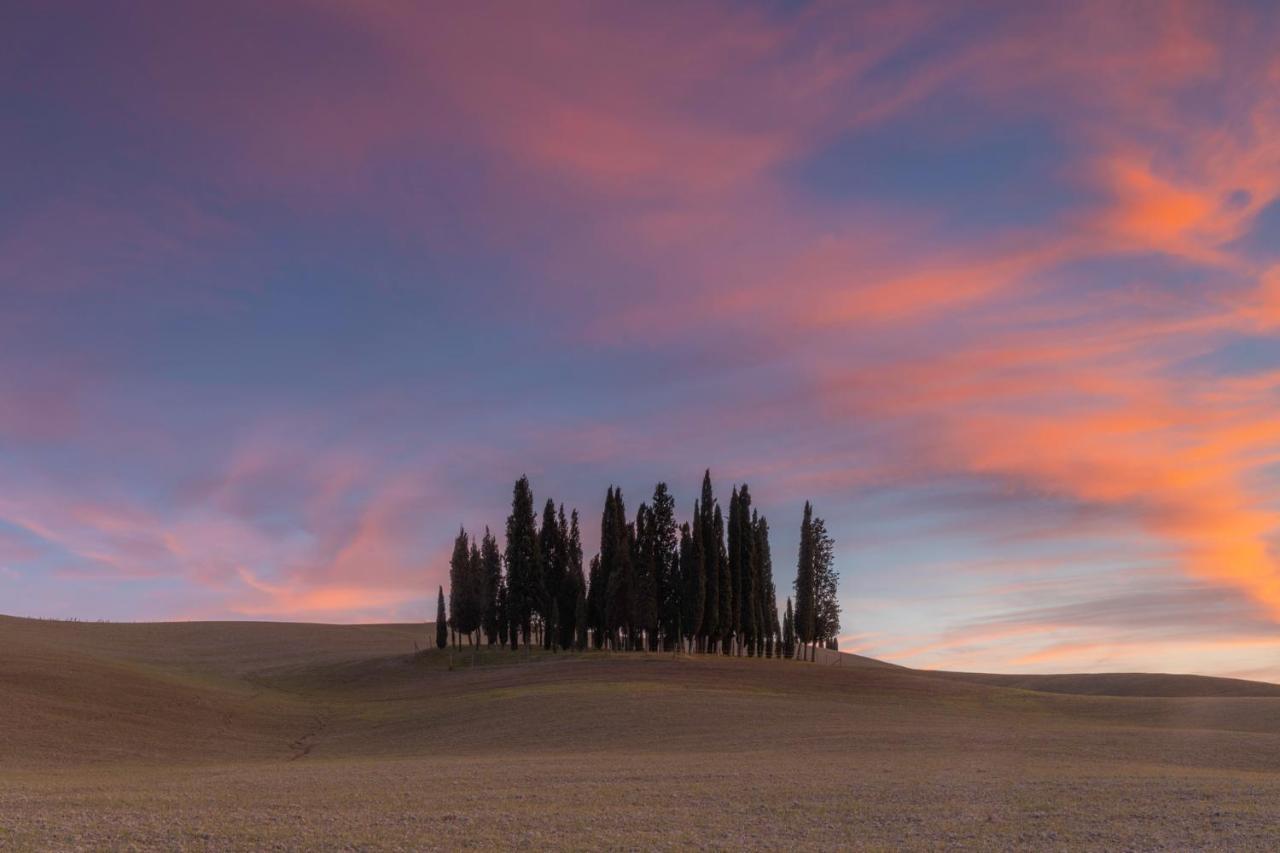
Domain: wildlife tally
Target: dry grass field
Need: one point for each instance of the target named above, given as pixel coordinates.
(210, 736)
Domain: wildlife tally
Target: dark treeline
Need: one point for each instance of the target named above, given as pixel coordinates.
(656, 584)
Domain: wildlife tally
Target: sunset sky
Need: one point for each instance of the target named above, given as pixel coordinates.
(290, 290)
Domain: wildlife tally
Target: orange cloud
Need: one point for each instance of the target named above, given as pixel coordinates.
(304, 599)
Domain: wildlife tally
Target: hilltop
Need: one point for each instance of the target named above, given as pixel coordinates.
(327, 736)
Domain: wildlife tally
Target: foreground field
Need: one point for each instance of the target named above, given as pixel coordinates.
(243, 735)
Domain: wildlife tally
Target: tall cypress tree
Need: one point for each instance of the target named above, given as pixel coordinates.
(575, 584)
(726, 584)
(492, 561)
(602, 570)
(459, 568)
(767, 603)
(805, 586)
(826, 581)
(471, 597)
(524, 587)
(595, 603)
(747, 571)
(666, 557)
(551, 551)
(705, 515)
(645, 567)
(620, 595)
(693, 581)
(734, 554)
(442, 623)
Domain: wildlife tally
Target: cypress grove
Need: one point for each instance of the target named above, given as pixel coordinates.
(704, 585)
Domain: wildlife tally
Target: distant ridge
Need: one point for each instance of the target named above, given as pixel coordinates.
(1137, 684)
(240, 646)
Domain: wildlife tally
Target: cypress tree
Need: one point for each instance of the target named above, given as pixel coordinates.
(746, 571)
(693, 583)
(826, 581)
(491, 559)
(575, 583)
(603, 570)
(705, 521)
(726, 584)
(645, 563)
(621, 609)
(554, 561)
(442, 623)
(524, 572)
(459, 569)
(805, 587)
(471, 604)
(664, 536)
(734, 555)
(595, 603)
(768, 591)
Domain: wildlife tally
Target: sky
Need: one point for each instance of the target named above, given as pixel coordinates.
(289, 291)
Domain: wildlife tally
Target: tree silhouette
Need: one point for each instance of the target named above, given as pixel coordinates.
(602, 569)
(442, 623)
(726, 584)
(473, 596)
(466, 588)
(644, 561)
(767, 605)
(704, 514)
(619, 592)
(524, 570)
(595, 603)
(491, 560)
(655, 583)
(575, 583)
(555, 565)
(459, 569)
(693, 582)
(806, 583)
(664, 538)
(826, 581)
(734, 556)
(744, 569)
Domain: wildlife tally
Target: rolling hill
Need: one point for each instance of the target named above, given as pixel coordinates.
(315, 736)
(1124, 684)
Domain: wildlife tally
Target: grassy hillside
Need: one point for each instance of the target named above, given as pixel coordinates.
(205, 734)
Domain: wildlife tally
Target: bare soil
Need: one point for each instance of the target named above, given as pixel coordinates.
(211, 736)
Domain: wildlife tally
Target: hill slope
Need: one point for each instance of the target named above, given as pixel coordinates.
(1123, 684)
(315, 736)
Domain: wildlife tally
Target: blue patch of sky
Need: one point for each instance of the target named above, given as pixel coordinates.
(955, 158)
(1239, 356)
(1261, 243)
